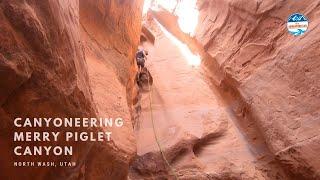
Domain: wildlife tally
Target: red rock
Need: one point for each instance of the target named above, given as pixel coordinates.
(269, 78)
(46, 70)
(275, 73)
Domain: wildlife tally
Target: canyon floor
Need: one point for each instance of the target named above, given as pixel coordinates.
(195, 127)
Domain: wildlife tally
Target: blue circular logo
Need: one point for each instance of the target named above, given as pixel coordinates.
(297, 24)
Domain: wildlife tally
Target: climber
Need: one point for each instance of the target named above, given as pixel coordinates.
(141, 57)
(143, 76)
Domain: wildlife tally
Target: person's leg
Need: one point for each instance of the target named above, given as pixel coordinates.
(142, 63)
(139, 64)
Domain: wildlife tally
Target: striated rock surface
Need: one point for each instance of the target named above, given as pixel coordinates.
(275, 74)
(52, 66)
(110, 31)
(43, 74)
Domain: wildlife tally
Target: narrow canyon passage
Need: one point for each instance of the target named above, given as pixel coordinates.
(179, 97)
(185, 107)
(247, 109)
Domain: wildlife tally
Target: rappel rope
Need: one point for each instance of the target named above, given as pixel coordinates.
(155, 134)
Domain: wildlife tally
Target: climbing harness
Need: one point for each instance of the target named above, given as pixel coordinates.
(142, 79)
(155, 134)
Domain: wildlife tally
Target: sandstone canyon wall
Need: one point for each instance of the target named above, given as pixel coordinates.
(268, 77)
(52, 66)
(110, 32)
(274, 74)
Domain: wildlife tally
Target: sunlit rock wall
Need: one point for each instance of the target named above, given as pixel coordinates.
(276, 74)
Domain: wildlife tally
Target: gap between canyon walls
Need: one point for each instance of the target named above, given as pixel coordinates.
(197, 129)
(255, 73)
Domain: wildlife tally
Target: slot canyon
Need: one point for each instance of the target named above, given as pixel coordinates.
(234, 95)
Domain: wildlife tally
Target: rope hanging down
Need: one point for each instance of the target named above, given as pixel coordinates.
(154, 132)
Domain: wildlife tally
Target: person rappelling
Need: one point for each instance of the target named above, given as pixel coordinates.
(144, 78)
(141, 57)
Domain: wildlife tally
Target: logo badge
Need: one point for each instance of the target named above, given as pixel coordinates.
(297, 24)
